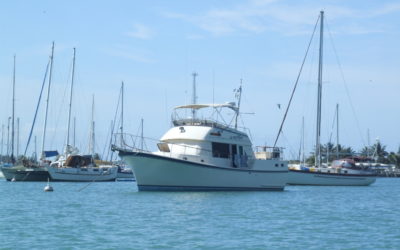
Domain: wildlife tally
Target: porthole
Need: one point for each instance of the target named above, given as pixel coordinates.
(276, 165)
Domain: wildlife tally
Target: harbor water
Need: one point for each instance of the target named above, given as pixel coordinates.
(114, 215)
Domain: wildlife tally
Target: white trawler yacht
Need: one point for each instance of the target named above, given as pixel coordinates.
(206, 155)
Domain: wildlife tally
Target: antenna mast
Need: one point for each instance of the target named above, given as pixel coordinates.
(194, 97)
(239, 96)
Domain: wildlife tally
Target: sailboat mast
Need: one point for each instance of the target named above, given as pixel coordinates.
(8, 136)
(239, 99)
(35, 155)
(303, 142)
(17, 137)
(319, 94)
(12, 117)
(47, 101)
(92, 141)
(194, 97)
(70, 97)
(337, 130)
(122, 113)
(74, 134)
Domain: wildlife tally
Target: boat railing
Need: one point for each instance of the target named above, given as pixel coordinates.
(136, 143)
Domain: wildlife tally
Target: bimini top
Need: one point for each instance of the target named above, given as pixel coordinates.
(231, 105)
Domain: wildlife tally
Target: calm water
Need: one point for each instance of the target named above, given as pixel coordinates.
(115, 215)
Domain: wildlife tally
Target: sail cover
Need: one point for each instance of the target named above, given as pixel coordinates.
(50, 153)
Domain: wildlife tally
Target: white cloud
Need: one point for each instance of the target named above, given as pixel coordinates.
(140, 31)
(256, 16)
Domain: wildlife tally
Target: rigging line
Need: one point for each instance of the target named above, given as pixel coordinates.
(292, 151)
(37, 107)
(345, 85)
(105, 144)
(113, 125)
(295, 86)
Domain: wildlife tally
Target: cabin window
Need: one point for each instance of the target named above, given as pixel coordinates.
(163, 147)
(220, 150)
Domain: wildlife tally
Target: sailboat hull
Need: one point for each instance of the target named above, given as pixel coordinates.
(160, 173)
(299, 177)
(82, 174)
(25, 174)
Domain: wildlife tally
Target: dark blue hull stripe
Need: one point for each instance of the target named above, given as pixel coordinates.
(204, 188)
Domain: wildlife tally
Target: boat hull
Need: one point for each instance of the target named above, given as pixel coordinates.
(299, 177)
(160, 173)
(82, 174)
(25, 174)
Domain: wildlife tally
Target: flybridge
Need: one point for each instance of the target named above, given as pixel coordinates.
(210, 122)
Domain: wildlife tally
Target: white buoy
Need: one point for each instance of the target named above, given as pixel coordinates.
(48, 188)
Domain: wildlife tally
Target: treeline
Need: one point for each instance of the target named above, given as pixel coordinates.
(376, 152)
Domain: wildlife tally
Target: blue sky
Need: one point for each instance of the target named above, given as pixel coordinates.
(154, 46)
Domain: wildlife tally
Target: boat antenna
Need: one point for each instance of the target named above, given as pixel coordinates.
(295, 85)
(12, 117)
(239, 97)
(194, 97)
(319, 94)
(70, 99)
(47, 101)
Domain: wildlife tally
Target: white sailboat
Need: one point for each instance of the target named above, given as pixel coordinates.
(345, 175)
(199, 154)
(71, 166)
